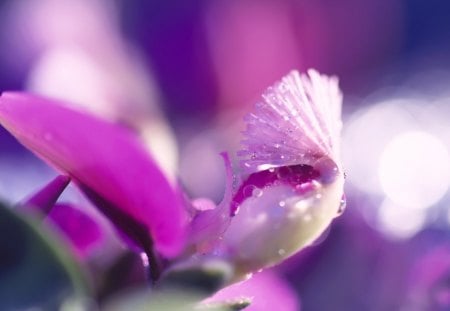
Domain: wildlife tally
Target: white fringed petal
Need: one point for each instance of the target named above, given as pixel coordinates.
(297, 122)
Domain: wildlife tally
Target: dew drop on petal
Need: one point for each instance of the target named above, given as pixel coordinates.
(235, 211)
(342, 205)
(257, 192)
(234, 208)
(327, 168)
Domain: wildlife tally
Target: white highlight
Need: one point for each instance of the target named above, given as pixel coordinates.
(365, 137)
(414, 170)
(398, 222)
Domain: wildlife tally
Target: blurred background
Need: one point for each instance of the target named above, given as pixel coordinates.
(183, 73)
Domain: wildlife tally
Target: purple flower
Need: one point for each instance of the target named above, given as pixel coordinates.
(293, 179)
(292, 176)
(107, 162)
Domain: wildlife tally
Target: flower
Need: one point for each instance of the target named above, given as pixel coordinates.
(75, 52)
(107, 162)
(292, 176)
(294, 183)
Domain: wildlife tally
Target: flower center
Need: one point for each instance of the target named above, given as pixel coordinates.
(302, 178)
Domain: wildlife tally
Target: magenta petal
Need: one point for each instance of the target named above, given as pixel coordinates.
(44, 199)
(106, 161)
(79, 228)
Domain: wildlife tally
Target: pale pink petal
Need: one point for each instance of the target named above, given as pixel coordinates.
(207, 226)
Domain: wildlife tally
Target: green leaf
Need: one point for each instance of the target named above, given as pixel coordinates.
(145, 299)
(205, 277)
(170, 300)
(232, 305)
(35, 270)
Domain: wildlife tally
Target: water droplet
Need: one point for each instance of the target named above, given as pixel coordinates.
(235, 211)
(272, 169)
(282, 203)
(234, 208)
(281, 252)
(307, 187)
(327, 168)
(342, 205)
(257, 192)
(263, 167)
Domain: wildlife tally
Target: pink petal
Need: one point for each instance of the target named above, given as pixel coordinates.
(79, 227)
(106, 161)
(44, 200)
(209, 224)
